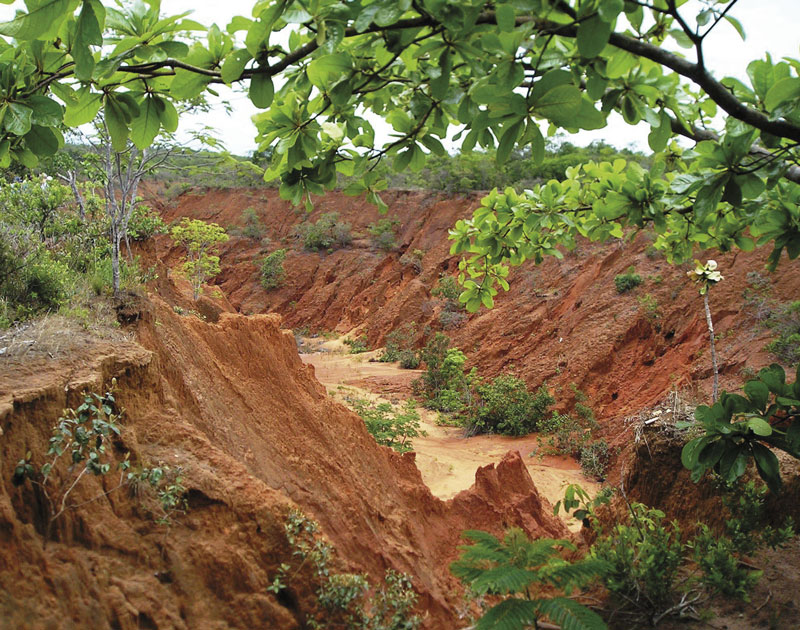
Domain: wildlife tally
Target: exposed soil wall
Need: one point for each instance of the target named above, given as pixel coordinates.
(232, 404)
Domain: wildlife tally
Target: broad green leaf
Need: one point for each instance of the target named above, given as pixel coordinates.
(510, 613)
(758, 392)
(505, 17)
(88, 32)
(84, 109)
(234, 65)
(187, 85)
(593, 36)
(262, 91)
(145, 127)
(759, 426)
(42, 19)
(774, 377)
(322, 70)
(784, 90)
(46, 111)
(767, 465)
(168, 115)
(115, 119)
(44, 141)
(508, 141)
(18, 119)
(559, 104)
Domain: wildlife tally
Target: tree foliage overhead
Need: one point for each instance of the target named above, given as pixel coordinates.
(495, 74)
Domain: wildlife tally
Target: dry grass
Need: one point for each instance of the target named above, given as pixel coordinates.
(58, 335)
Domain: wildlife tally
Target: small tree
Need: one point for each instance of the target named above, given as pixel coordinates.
(199, 238)
(707, 276)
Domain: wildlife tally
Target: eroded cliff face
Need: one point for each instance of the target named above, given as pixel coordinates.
(232, 404)
(562, 322)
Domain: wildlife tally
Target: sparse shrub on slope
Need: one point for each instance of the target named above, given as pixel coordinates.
(343, 600)
(326, 233)
(627, 281)
(382, 233)
(389, 426)
(273, 273)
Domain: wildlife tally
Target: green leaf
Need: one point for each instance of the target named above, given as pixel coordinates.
(323, 70)
(145, 127)
(84, 109)
(759, 426)
(774, 377)
(188, 85)
(509, 614)
(43, 19)
(115, 119)
(559, 104)
(18, 119)
(262, 91)
(46, 111)
(168, 115)
(659, 136)
(570, 615)
(786, 89)
(767, 465)
(505, 17)
(758, 392)
(508, 141)
(593, 36)
(234, 65)
(44, 141)
(88, 32)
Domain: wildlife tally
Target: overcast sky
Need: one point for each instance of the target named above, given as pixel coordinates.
(771, 26)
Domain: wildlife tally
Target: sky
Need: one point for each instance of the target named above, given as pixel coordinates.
(771, 26)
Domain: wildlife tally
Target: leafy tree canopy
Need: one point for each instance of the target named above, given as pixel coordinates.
(495, 74)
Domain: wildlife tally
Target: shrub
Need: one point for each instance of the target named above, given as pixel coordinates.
(447, 288)
(327, 233)
(399, 340)
(343, 599)
(506, 406)
(451, 319)
(382, 233)
(627, 281)
(409, 359)
(784, 321)
(444, 386)
(253, 227)
(358, 345)
(273, 273)
(649, 306)
(389, 426)
(145, 223)
(414, 260)
(566, 434)
(595, 458)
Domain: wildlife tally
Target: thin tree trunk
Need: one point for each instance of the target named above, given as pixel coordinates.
(73, 182)
(115, 242)
(715, 391)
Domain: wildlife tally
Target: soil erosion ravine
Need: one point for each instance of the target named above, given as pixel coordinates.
(446, 459)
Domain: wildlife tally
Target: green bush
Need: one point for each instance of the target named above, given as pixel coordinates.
(327, 233)
(627, 281)
(253, 227)
(447, 288)
(145, 223)
(444, 386)
(382, 233)
(273, 273)
(409, 359)
(32, 281)
(389, 426)
(358, 345)
(506, 406)
(343, 600)
(566, 435)
(398, 341)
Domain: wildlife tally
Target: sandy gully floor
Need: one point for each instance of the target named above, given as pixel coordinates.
(446, 460)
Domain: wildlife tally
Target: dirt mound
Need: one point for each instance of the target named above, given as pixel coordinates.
(232, 404)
